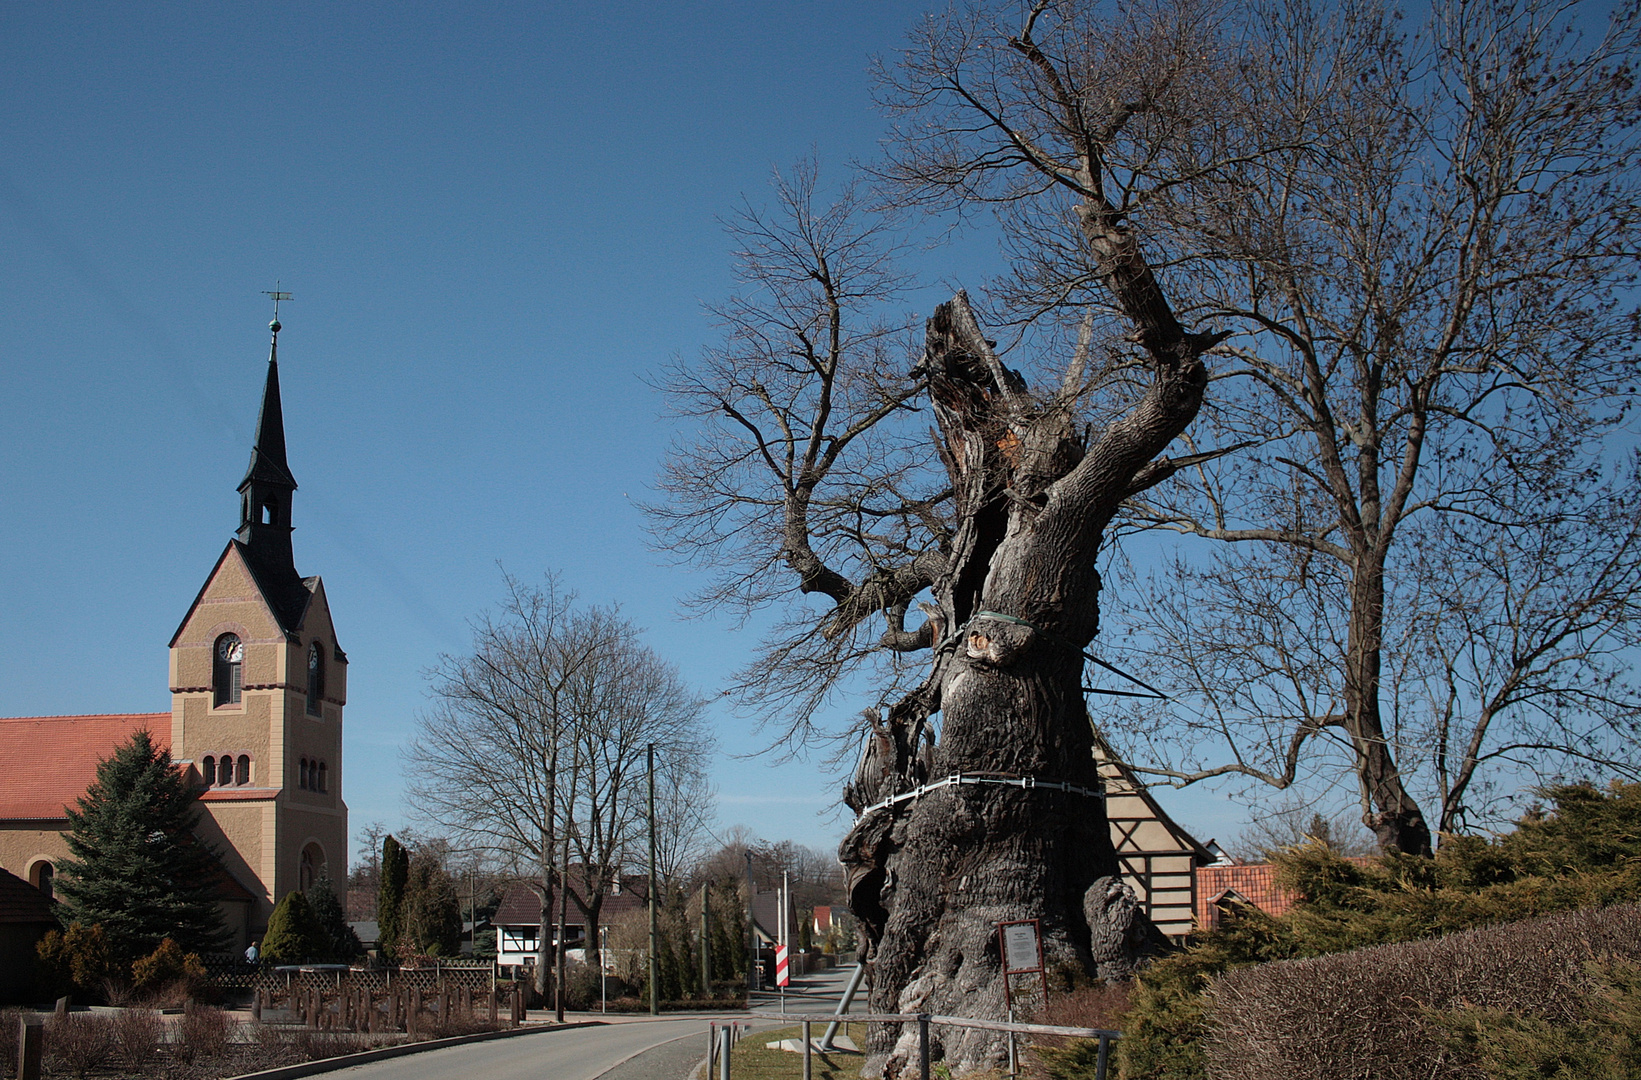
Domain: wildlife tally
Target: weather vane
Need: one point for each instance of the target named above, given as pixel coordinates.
(277, 296)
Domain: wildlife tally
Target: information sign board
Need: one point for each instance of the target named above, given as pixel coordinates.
(1022, 952)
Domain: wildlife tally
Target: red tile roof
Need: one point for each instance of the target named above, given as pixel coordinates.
(1255, 884)
(21, 902)
(51, 760)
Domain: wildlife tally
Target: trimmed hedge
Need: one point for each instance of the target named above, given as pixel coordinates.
(1382, 1012)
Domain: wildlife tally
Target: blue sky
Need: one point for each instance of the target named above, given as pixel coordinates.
(497, 220)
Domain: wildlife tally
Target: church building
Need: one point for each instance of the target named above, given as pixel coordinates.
(258, 684)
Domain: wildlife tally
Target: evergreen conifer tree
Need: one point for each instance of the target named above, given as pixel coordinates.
(431, 913)
(728, 932)
(137, 868)
(342, 944)
(293, 935)
(390, 896)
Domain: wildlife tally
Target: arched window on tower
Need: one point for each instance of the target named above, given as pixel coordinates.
(316, 678)
(324, 779)
(227, 661)
(243, 774)
(313, 860)
(208, 769)
(302, 774)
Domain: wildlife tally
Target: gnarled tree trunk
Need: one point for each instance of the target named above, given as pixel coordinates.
(931, 877)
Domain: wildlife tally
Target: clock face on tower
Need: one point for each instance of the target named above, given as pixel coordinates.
(230, 649)
(313, 659)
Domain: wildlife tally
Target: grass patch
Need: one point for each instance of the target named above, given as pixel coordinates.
(752, 1060)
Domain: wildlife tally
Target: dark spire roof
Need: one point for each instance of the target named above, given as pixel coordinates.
(268, 462)
(265, 503)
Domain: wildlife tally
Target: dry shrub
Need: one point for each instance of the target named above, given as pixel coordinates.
(458, 1024)
(79, 1042)
(138, 1032)
(9, 1020)
(292, 1045)
(1100, 1005)
(8, 1040)
(1369, 1013)
(167, 974)
(203, 1032)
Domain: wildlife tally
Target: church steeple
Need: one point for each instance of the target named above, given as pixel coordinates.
(265, 493)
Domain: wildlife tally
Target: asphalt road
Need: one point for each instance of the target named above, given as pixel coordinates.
(639, 1049)
(571, 1054)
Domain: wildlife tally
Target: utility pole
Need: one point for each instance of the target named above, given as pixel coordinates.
(706, 943)
(655, 990)
(751, 930)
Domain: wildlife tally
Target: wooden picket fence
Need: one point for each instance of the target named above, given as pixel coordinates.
(353, 1004)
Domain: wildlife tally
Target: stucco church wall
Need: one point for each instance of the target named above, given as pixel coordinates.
(22, 845)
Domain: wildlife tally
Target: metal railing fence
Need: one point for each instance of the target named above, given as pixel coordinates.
(924, 1021)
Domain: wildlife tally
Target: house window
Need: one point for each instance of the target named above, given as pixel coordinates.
(243, 775)
(316, 678)
(208, 769)
(227, 661)
(225, 771)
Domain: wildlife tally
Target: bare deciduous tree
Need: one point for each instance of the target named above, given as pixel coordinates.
(535, 744)
(1426, 563)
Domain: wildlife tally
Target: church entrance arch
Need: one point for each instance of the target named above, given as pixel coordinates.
(313, 862)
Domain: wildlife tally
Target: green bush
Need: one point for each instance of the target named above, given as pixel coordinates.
(293, 936)
(1580, 851)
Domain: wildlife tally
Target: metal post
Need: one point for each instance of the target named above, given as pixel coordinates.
(712, 1047)
(723, 1053)
(1100, 1061)
(655, 990)
(603, 969)
(807, 1068)
(843, 1006)
(923, 1045)
(1013, 1061)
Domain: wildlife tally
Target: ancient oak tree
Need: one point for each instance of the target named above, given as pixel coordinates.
(837, 468)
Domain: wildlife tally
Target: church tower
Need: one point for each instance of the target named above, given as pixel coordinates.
(258, 684)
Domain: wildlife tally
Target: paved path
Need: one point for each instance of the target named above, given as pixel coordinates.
(572, 1054)
(625, 1048)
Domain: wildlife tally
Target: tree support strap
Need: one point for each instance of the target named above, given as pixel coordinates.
(1084, 653)
(1026, 782)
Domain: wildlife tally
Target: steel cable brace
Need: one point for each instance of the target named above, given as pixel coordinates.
(1024, 782)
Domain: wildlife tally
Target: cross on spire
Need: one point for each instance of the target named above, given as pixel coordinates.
(276, 296)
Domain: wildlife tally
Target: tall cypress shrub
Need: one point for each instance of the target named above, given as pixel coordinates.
(390, 896)
(137, 868)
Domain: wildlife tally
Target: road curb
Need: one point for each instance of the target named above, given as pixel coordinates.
(382, 1053)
